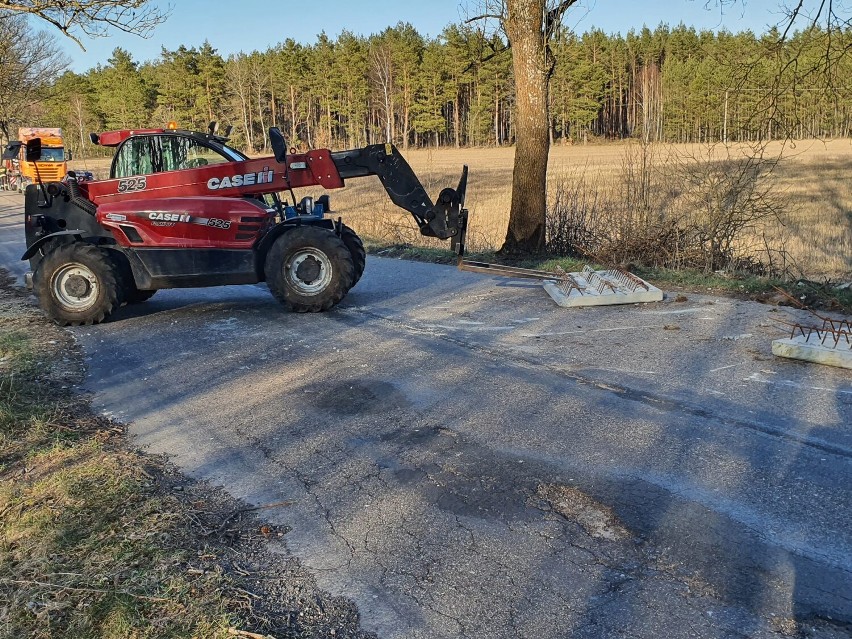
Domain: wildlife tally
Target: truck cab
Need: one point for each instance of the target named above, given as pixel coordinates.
(53, 165)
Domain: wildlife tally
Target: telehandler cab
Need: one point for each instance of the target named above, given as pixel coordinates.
(183, 209)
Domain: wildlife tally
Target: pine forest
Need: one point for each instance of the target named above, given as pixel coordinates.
(668, 84)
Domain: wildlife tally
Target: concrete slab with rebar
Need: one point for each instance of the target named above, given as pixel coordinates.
(600, 288)
(829, 343)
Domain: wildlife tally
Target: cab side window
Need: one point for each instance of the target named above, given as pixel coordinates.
(185, 153)
(136, 157)
(147, 154)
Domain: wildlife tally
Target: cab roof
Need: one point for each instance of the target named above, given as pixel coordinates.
(114, 138)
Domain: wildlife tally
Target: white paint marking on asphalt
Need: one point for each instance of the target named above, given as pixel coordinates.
(757, 377)
(593, 330)
(724, 368)
(622, 370)
(441, 326)
(675, 312)
(472, 326)
(469, 323)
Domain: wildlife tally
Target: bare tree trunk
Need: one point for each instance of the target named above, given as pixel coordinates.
(78, 112)
(382, 72)
(496, 111)
(524, 26)
(292, 114)
(406, 114)
(209, 100)
(329, 129)
(240, 82)
(456, 119)
(260, 115)
(272, 109)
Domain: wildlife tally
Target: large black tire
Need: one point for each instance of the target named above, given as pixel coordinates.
(356, 249)
(78, 284)
(309, 269)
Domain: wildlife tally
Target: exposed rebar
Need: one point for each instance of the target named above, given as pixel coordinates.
(566, 282)
(829, 334)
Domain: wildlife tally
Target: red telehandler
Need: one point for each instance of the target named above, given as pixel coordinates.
(183, 209)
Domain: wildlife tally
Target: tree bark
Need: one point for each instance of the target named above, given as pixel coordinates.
(524, 25)
(292, 114)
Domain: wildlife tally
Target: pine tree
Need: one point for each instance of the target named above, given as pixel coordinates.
(123, 96)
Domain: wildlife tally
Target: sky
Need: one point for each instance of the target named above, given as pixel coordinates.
(250, 25)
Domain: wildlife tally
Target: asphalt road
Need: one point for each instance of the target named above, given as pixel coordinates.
(470, 460)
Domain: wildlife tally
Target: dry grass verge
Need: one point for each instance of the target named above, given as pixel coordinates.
(98, 540)
(814, 231)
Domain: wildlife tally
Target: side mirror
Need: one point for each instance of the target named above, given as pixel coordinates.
(33, 153)
(94, 138)
(68, 155)
(279, 146)
(12, 151)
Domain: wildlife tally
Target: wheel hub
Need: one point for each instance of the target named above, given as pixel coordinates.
(309, 271)
(75, 286)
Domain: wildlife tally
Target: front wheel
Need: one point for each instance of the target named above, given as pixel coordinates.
(309, 269)
(77, 284)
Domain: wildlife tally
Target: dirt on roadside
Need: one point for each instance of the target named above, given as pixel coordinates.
(98, 539)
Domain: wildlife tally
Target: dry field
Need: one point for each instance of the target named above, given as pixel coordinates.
(814, 178)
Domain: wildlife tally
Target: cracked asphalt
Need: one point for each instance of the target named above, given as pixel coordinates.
(470, 460)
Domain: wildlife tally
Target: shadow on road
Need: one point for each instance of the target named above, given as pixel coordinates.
(417, 459)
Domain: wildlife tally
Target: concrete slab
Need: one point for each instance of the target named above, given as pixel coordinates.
(810, 349)
(601, 288)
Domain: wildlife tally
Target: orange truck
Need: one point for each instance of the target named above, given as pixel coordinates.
(53, 164)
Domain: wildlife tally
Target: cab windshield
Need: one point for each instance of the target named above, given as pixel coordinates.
(52, 154)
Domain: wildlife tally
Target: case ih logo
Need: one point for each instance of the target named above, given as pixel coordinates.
(246, 179)
(169, 217)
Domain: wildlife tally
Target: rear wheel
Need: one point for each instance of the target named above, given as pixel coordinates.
(309, 269)
(78, 284)
(356, 249)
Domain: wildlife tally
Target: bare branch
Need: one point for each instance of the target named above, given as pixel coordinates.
(28, 60)
(554, 17)
(484, 16)
(792, 16)
(92, 18)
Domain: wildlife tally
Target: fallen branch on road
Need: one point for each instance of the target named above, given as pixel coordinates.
(240, 511)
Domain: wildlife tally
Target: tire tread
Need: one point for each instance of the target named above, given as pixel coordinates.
(334, 248)
(104, 268)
